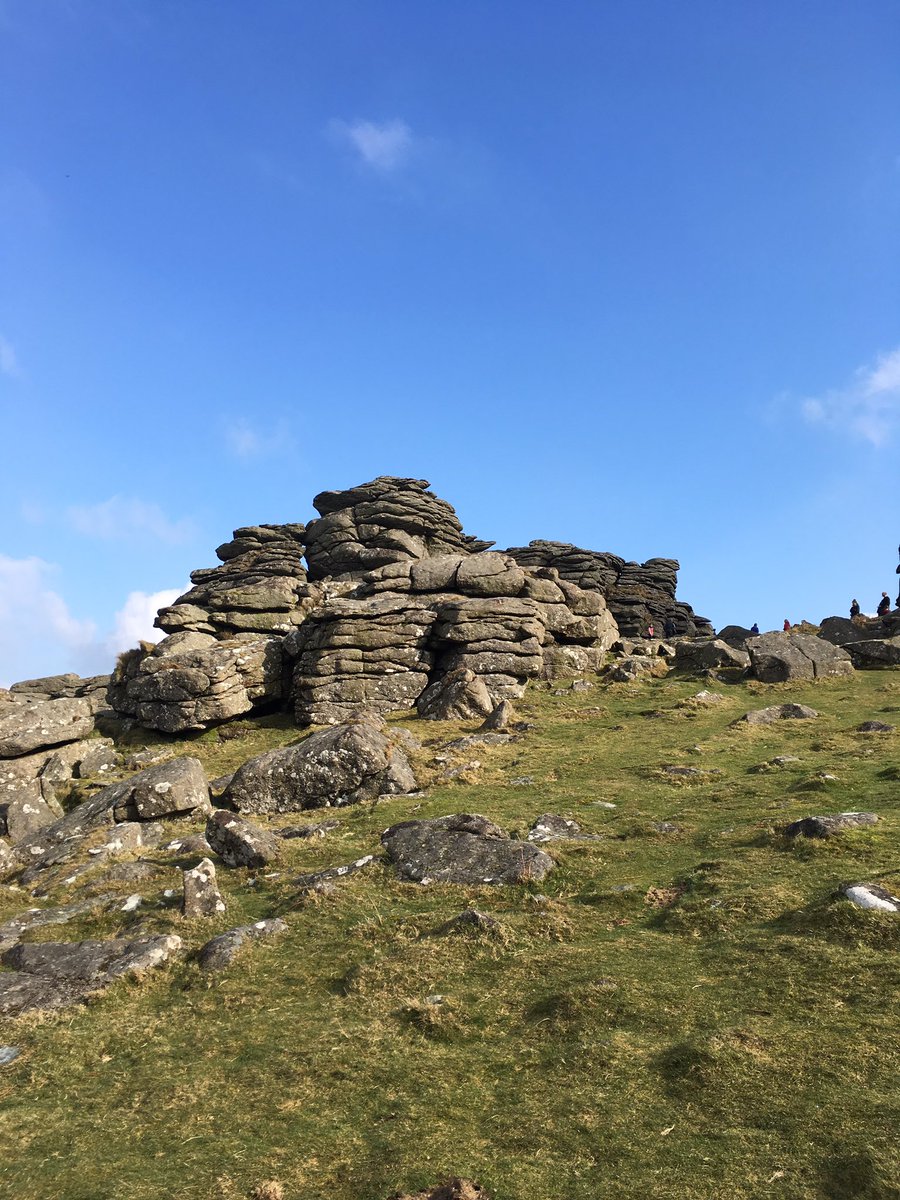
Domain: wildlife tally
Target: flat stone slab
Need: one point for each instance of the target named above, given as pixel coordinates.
(777, 712)
(28, 727)
(462, 848)
(50, 975)
(828, 826)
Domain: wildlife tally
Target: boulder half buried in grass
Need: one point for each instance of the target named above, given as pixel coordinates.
(462, 848)
(828, 826)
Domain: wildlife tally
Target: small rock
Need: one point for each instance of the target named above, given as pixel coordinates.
(870, 895)
(462, 848)
(471, 921)
(777, 712)
(828, 826)
(875, 727)
(240, 844)
(308, 831)
(8, 1054)
(522, 781)
(666, 827)
(499, 719)
(202, 897)
(219, 952)
(312, 880)
(550, 828)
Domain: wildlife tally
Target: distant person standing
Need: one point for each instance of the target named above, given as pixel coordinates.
(669, 628)
(650, 631)
(854, 609)
(786, 626)
(754, 629)
(884, 605)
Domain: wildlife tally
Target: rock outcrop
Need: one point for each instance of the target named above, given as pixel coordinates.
(638, 594)
(394, 601)
(463, 848)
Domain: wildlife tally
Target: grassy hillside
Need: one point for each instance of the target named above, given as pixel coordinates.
(685, 1013)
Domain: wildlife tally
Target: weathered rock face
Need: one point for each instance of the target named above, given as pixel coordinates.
(58, 687)
(410, 624)
(191, 680)
(202, 897)
(396, 600)
(240, 844)
(50, 975)
(344, 765)
(386, 521)
(875, 652)
(220, 952)
(840, 631)
(463, 848)
(830, 825)
(777, 712)
(459, 695)
(779, 657)
(708, 654)
(638, 594)
(26, 727)
(261, 587)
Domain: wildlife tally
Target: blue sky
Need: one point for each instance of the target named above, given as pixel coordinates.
(624, 275)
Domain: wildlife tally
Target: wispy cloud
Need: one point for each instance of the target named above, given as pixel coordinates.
(133, 622)
(122, 517)
(868, 407)
(9, 364)
(246, 442)
(384, 147)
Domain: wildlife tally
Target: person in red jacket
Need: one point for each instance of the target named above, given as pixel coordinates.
(787, 625)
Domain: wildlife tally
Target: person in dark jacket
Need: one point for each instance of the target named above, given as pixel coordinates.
(854, 609)
(669, 628)
(884, 605)
(754, 628)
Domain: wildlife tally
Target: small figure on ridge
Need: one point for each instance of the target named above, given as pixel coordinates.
(854, 609)
(754, 628)
(786, 626)
(884, 605)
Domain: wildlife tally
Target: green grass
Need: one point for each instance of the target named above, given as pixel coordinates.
(686, 1015)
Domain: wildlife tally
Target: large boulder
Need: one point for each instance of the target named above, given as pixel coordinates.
(841, 631)
(708, 654)
(875, 652)
(26, 727)
(190, 680)
(780, 657)
(463, 848)
(342, 765)
(777, 712)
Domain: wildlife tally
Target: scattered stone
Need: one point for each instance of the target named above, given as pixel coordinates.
(458, 770)
(220, 952)
(469, 921)
(8, 1054)
(462, 848)
(202, 897)
(176, 786)
(777, 712)
(782, 760)
(498, 719)
(308, 831)
(666, 827)
(522, 781)
(347, 764)
(51, 975)
(875, 727)
(828, 826)
(313, 880)
(706, 697)
(779, 657)
(99, 758)
(551, 827)
(195, 843)
(870, 895)
(240, 844)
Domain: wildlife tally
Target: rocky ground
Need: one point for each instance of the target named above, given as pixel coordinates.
(615, 939)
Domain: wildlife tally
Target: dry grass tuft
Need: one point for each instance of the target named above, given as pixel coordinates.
(269, 1189)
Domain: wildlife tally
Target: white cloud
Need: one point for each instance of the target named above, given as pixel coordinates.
(383, 147)
(868, 407)
(9, 364)
(133, 622)
(39, 635)
(123, 517)
(35, 621)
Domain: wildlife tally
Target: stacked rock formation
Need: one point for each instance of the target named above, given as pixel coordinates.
(394, 598)
(638, 594)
